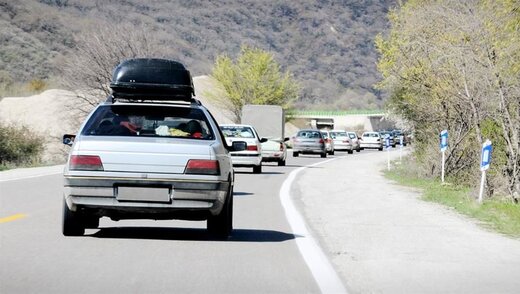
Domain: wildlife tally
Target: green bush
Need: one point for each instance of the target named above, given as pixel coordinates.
(19, 146)
(36, 85)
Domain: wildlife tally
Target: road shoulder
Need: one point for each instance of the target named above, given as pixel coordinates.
(382, 238)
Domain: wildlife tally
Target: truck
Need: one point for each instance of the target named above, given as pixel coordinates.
(269, 122)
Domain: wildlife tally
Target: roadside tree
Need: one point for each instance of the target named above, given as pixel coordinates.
(454, 64)
(253, 78)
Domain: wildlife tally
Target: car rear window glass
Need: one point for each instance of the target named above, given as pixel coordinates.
(308, 134)
(150, 121)
(372, 135)
(338, 134)
(237, 131)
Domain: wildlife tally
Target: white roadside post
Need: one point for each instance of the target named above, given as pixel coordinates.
(387, 145)
(444, 146)
(401, 148)
(485, 160)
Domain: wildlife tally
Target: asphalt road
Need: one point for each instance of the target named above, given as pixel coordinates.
(151, 256)
(375, 236)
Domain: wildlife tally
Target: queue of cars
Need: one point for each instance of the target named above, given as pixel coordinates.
(153, 151)
(323, 142)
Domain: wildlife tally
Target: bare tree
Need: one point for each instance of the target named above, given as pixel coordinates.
(88, 69)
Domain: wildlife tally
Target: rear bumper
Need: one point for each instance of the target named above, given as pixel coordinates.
(273, 156)
(371, 145)
(310, 150)
(248, 160)
(191, 200)
(343, 147)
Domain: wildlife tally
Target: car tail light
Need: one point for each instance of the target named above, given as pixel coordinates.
(321, 141)
(252, 148)
(202, 167)
(85, 162)
(281, 146)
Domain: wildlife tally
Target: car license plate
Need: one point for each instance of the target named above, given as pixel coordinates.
(146, 194)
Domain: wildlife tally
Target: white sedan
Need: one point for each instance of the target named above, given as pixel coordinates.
(371, 140)
(252, 156)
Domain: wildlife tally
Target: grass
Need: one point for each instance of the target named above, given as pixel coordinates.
(497, 214)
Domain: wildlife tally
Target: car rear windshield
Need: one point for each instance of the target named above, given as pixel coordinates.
(237, 131)
(372, 135)
(150, 121)
(338, 134)
(308, 134)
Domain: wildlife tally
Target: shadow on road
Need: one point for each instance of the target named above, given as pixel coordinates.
(235, 193)
(262, 173)
(187, 234)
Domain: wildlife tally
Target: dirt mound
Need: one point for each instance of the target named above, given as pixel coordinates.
(49, 115)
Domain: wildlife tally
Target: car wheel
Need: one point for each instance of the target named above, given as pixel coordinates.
(380, 149)
(331, 152)
(358, 149)
(324, 155)
(281, 163)
(257, 169)
(90, 221)
(350, 151)
(221, 225)
(72, 224)
(295, 154)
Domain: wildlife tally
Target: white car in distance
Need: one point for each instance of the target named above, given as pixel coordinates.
(372, 140)
(252, 156)
(342, 141)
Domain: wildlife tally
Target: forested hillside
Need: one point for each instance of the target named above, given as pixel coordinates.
(327, 45)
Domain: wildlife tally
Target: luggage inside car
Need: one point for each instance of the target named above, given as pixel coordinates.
(151, 79)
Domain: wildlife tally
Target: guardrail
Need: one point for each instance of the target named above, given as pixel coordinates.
(305, 113)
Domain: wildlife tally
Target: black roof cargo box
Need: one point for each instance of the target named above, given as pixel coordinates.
(151, 79)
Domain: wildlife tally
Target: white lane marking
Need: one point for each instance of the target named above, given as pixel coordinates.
(317, 261)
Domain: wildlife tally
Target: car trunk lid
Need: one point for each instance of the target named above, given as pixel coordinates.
(144, 155)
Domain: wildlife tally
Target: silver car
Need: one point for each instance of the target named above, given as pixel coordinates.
(309, 142)
(149, 160)
(356, 144)
(329, 143)
(342, 141)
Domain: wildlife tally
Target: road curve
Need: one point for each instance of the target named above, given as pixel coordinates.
(383, 239)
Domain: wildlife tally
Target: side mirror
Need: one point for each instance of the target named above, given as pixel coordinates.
(68, 139)
(238, 146)
(286, 139)
(263, 140)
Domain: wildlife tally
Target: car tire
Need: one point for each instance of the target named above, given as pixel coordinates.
(350, 151)
(358, 149)
(221, 225)
(295, 154)
(90, 221)
(380, 149)
(281, 162)
(257, 169)
(331, 152)
(324, 155)
(72, 223)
